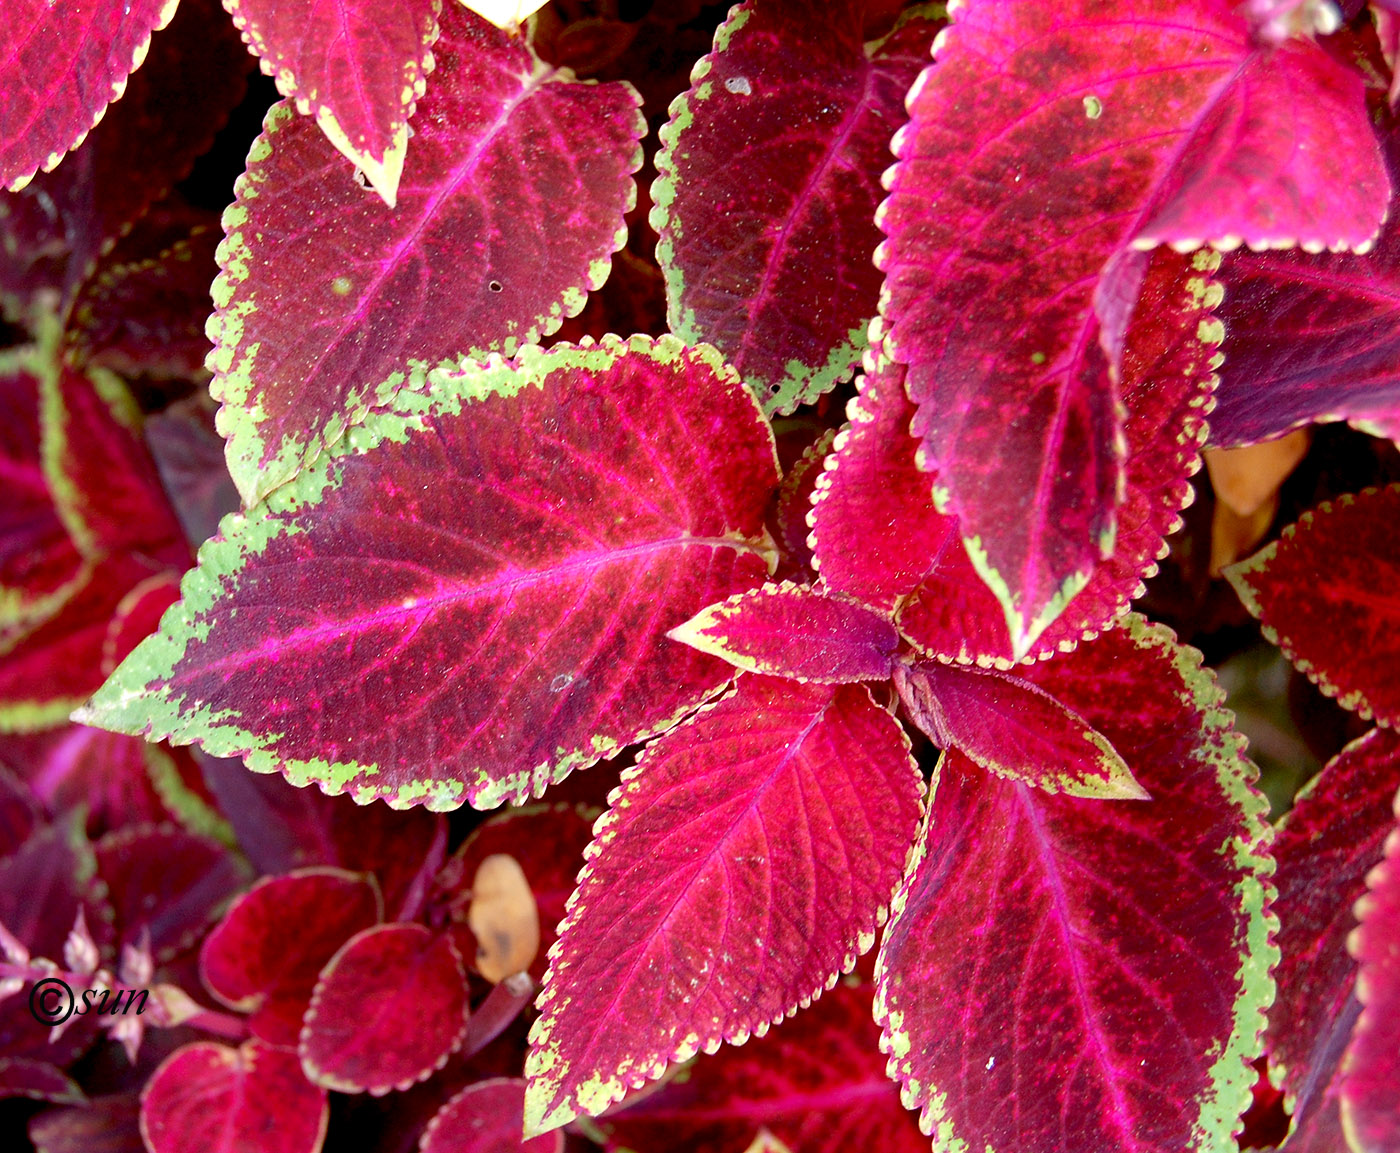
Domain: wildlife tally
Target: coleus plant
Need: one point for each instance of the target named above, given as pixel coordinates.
(468, 566)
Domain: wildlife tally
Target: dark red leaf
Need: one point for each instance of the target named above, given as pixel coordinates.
(189, 455)
(355, 1039)
(19, 812)
(1173, 119)
(816, 1082)
(510, 209)
(1332, 837)
(744, 864)
(1060, 973)
(796, 631)
(1320, 594)
(220, 1100)
(1014, 729)
(106, 1124)
(769, 181)
(1371, 1070)
(356, 67)
(468, 611)
(486, 1118)
(266, 954)
(21, 1077)
(795, 495)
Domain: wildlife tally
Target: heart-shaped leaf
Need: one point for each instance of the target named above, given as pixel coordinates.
(487, 558)
(486, 1118)
(1321, 593)
(65, 69)
(1333, 836)
(509, 211)
(990, 231)
(1370, 1104)
(1134, 935)
(215, 1099)
(265, 956)
(768, 185)
(1014, 729)
(816, 1082)
(796, 631)
(744, 864)
(354, 1039)
(357, 67)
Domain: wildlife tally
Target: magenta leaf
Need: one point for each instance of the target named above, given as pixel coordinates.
(166, 886)
(1108, 972)
(215, 1099)
(792, 630)
(1313, 337)
(487, 558)
(510, 208)
(22, 1077)
(879, 537)
(1334, 834)
(1370, 1104)
(486, 1118)
(356, 67)
(547, 841)
(266, 954)
(1321, 595)
(768, 186)
(1014, 729)
(19, 811)
(744, 864)
(355, 1038)
(1025, 431)
(816, 1082)
(64, 72)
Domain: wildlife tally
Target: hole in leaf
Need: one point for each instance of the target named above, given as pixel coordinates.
(495, 286)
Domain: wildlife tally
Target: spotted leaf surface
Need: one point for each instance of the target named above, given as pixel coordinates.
(508, 213)
(1370, 1106)
(744, 864)
(268, 950)
(1151, 111)
(65, 65)
(356, 67)
(791, 630)
(354, 1039)
(1011, 728)
(879, 536)
(220, 1100)
(1110, 963)
(475, 589)
(769, 181)
(1334, 835)
(1323, 595)
(816, 1082)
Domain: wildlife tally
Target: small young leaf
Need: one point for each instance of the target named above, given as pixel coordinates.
(64, 72)
(744, 864)
(1334, 834)
(356, 67)
(215, 1099)
(1015, 730)
(768, 185)
(817, 1082)
(266, 954)
(1133, 935)
(469, 599)
(1321, 596)
(1370, 1103)
(796, 631)
(355, 1039)
(486, 1118)
(510, 209)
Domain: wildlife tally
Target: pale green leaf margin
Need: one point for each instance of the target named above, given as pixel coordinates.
(1242, 575)
(1232, 1075)
(546, 1068)
(232, 361)
(801, 383)
(130, 702)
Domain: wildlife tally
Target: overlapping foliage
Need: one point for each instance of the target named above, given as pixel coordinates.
(806, 607)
